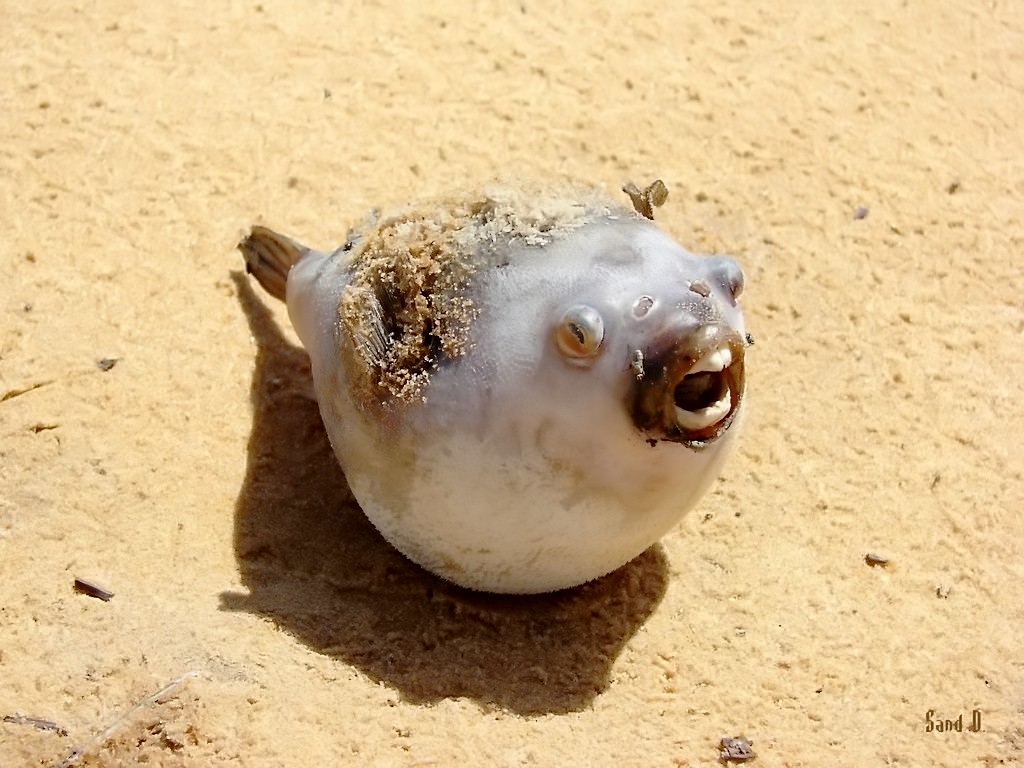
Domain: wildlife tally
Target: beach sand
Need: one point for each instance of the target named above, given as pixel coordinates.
(862, 161)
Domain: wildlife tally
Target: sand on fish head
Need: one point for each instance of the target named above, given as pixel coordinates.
(409, 304)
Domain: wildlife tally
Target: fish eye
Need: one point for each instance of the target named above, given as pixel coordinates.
(580, 333)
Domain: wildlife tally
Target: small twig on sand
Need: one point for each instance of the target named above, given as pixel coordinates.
(92, 589)
(80, 751)
(35, 722)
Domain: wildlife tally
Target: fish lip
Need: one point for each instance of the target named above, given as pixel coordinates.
(715, 350)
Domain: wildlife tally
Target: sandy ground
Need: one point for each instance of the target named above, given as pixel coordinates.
(194, 480)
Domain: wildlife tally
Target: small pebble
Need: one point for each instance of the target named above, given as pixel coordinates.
(736, 748)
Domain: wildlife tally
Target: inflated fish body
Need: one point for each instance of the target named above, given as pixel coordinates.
(525, 388)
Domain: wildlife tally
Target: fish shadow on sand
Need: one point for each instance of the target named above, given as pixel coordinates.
(317, 567)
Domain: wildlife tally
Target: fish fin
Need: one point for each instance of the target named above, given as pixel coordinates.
(371, 337)
(269, 257)
(647, 199)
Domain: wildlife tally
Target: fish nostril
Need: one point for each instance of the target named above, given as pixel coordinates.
(700, 390)
(701, 288)
(642, 306)
(736, 282)
(725, 273)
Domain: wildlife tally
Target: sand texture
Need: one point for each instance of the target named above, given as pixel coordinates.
(864, 163)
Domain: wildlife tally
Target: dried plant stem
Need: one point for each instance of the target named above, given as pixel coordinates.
(82, 749)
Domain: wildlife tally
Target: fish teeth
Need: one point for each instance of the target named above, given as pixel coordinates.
(717, 360)
(702, 418)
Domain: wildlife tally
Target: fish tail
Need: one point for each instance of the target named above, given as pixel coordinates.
(269, 257)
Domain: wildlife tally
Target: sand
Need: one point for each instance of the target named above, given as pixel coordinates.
(259, 620)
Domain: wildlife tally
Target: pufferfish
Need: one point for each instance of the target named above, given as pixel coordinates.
(526, 385)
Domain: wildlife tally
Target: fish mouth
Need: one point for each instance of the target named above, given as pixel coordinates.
(690, 390)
